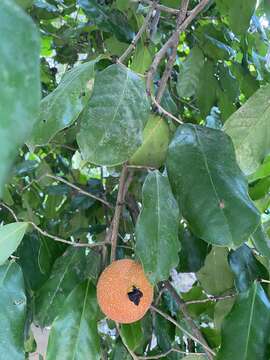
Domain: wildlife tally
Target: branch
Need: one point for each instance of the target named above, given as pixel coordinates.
(132, 354)
(160, 356)
(170, 43)
(169, 318)
(182, 306)
(144, 26)
(81, 191)
(169, 66)
(163, 8)
(56, 238)
(165, 112)
(10, 210)
(212, 298)
(124, 183)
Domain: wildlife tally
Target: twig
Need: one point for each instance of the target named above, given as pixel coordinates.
(133, 43)
(182, 306)
(169, 318)
(170, 43)
(163, 8)
(10, 210)
(165, 112)
(140, 167)
(169, 66)
(81, 191)
(56, 238)
(122, 190)
(265, 281)
(212, 298)
(160, 356)
(132, 354)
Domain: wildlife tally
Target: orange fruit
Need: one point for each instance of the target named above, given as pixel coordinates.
(124, 293)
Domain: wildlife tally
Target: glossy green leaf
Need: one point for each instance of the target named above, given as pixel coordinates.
(233, 9)
(142, 59)
(20, 83)
(63, 106)
(245, 331)
(24, 3)
(216, 276)
(10, 237)
(261, 241)
(132, 335)
(249, 129)
(156, 137)
(246, 268)
(12, 312)
(111, 21)
(157, 243)
(74, 332)
(188, 78)
(113, 122)
(207, 80)
(68, 270)
(262, 172)
(193, 252)
(213, 204)
(120, 352)
(222, 309)
(28, 254)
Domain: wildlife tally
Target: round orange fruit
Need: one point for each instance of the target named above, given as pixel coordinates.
(123, 292)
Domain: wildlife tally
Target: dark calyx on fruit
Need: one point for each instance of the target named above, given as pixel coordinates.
(135, 295)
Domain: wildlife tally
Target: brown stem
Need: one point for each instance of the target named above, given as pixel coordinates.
(197, 340)
(170, 42)
(10, 210)
(124, 183)
(213, 298)
(160, 356)
(163, 8)
(144, 26)
(182, 306)
(169, 66)
(56, 238)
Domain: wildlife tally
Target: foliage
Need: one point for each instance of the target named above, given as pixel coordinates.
(133, 132)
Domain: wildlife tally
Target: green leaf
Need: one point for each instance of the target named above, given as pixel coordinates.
(120, 352)
(20, 83)
(246, 268)
(207, 80)
(24, 3)
(262, 172)
(233, 9)
(10, 237)
(188, 78)
(193, 252)
(74, 332)
(12, 313)
(68, 270)
(157, 243)
(156, 137)
(261, 241)
(133, 335)
(211, 205)
(28, 254)
(216, 276)
(222, 309)
(142, 59)
(245, 331)
(111, 21)
(249, 129)
(113, 122)
(62, 106)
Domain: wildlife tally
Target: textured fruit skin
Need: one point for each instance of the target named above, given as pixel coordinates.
(112, 291)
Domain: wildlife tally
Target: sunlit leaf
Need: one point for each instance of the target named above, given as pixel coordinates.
(113, 122)
(20, 84)
(10, 237)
